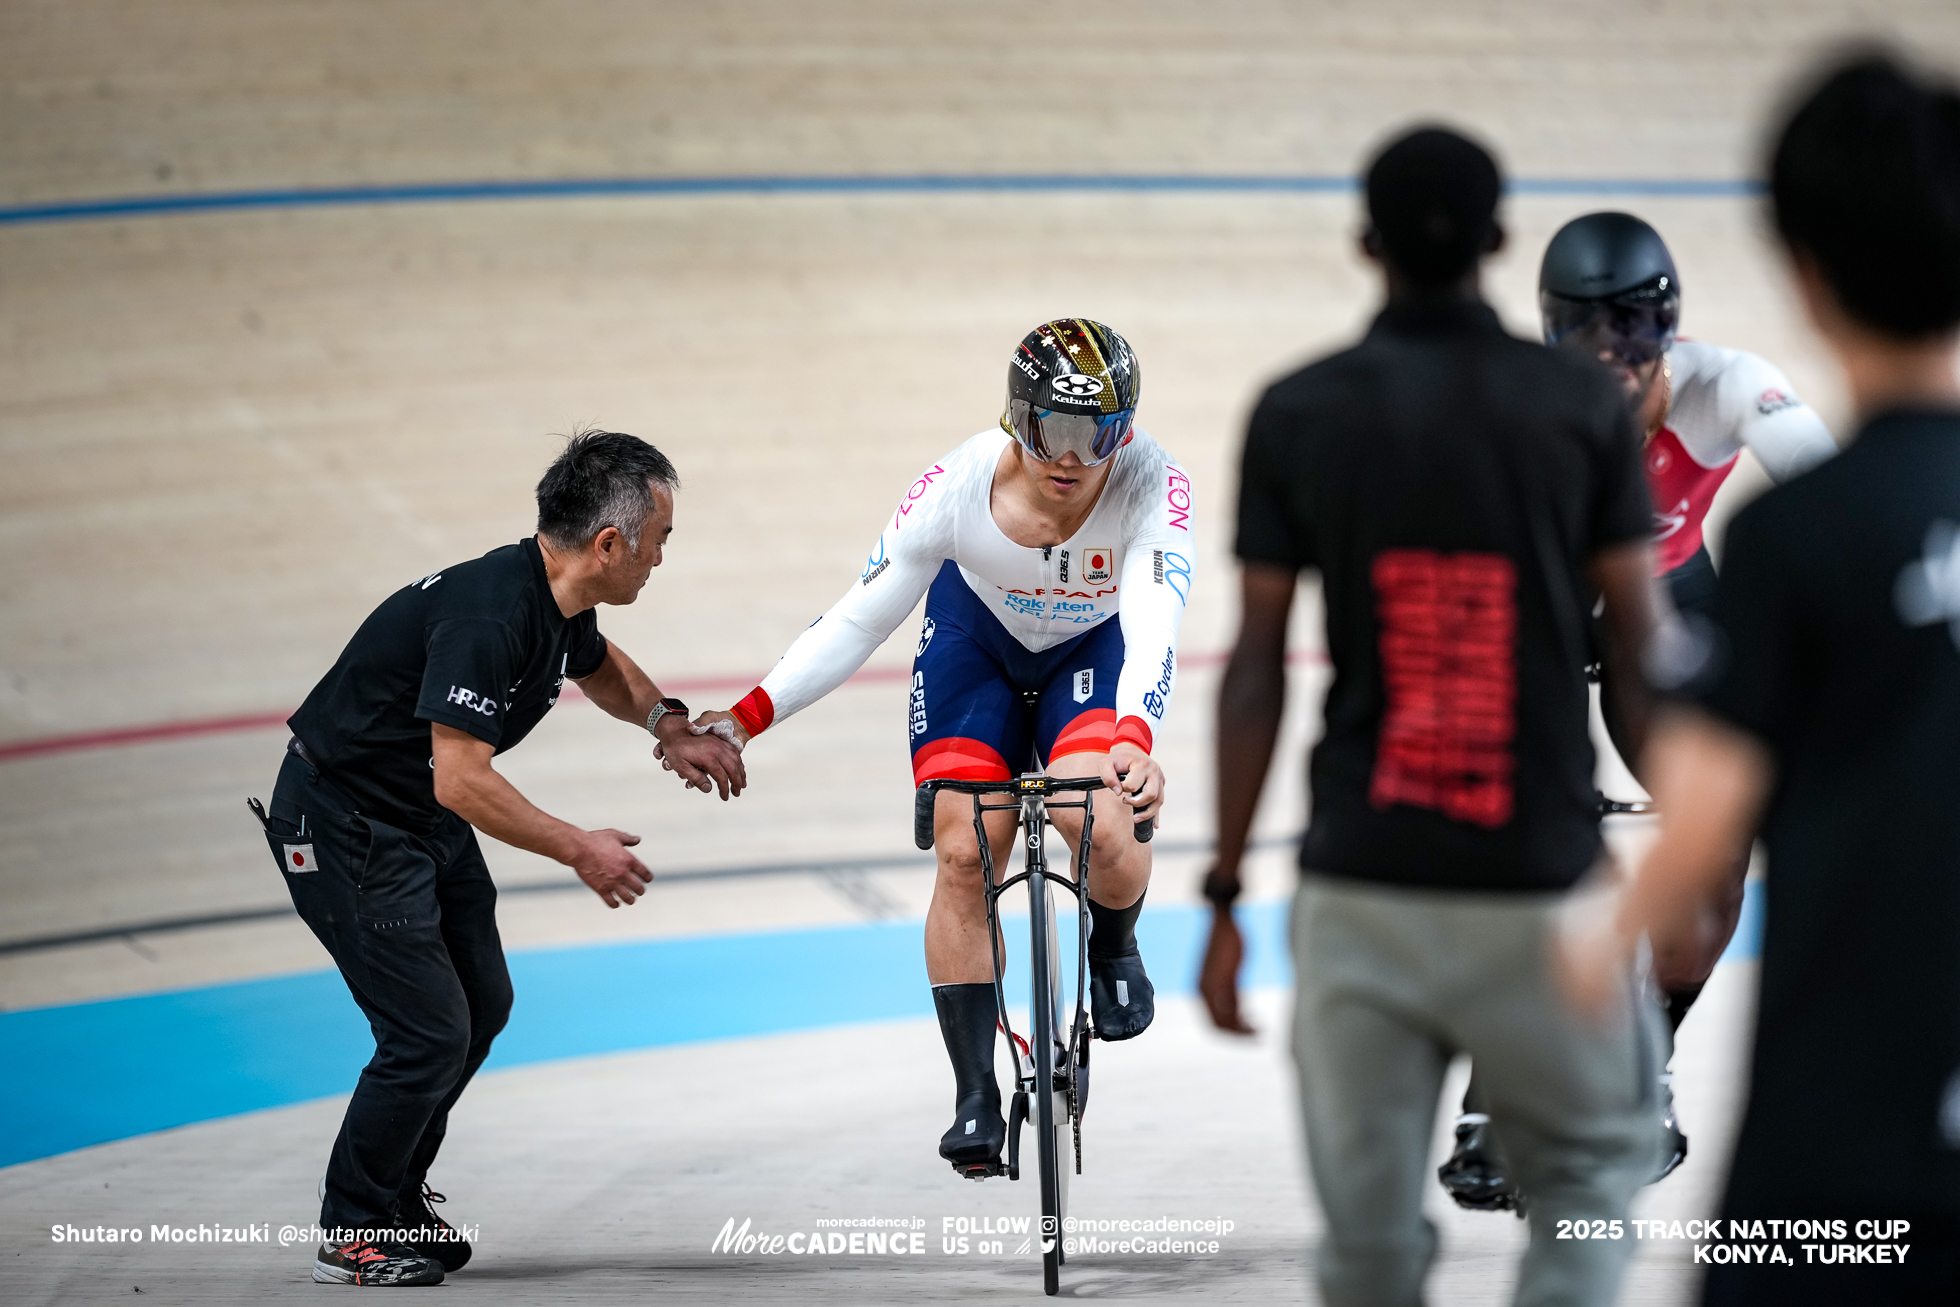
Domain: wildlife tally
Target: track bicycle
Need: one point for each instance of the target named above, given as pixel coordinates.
(1052, 1066)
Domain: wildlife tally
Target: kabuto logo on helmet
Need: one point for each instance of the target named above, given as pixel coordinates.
(1077, 385)
(1080, 395)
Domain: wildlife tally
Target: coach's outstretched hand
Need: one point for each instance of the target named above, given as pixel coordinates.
(705, 762)
(603, 863)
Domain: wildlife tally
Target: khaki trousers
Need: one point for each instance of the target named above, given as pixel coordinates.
(1391, 983)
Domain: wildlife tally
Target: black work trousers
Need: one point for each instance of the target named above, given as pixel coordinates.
(411, 922)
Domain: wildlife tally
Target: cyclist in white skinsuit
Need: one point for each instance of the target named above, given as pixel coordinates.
(1608, 289)
(1713, 403)
(1025, 542)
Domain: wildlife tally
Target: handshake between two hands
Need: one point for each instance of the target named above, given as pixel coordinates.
(706, 754)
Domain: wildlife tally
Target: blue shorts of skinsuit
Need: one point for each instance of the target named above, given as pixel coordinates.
(969, 721)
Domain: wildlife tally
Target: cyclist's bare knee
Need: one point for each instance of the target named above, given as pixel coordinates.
(960, 870)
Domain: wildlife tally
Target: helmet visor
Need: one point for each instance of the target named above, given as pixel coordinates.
(1634, 329)
(1048, 435)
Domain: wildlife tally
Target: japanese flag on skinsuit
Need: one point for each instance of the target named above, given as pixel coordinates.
(299, 858)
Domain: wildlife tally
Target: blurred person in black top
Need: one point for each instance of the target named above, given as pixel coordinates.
(388, 771)
(1822, 710)
(1466, 497)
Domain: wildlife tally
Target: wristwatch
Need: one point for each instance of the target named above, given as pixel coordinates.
(661, 709)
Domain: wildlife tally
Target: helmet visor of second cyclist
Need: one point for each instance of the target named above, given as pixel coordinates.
(1091, 437)
(1635, 330)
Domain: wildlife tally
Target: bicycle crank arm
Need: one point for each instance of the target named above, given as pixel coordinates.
(1017, 1113)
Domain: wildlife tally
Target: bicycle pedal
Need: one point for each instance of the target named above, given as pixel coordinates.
(979, 1170)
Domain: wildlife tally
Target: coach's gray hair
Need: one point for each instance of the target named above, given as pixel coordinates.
(602, 479)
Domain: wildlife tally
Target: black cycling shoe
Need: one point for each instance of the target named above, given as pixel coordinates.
(1473, 1176)
(428, 1234)
(365, 1263)
(979, 1133)
(1121, 995)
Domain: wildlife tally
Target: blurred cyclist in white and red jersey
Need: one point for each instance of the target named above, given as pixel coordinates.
(1026, 541)
(1608, 289)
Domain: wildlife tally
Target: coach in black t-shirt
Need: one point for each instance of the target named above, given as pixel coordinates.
(1826, 715)
(1466, 497)
(389, 769)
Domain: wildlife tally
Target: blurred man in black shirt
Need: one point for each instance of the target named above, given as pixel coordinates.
(388, 771)
(1466, 497)
(1823, 710)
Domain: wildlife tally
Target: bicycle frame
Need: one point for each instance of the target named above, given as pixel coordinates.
(1061, 1062)
(1032, 800)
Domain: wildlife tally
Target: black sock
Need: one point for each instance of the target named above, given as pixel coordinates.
(1113, 931)
(1678, 1003)
(967, 1018)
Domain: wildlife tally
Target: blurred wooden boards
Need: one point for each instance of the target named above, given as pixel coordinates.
(108, 98)
(229, 435)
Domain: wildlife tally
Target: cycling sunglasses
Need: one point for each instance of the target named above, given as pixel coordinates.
(1091, 437)
(1636, 327)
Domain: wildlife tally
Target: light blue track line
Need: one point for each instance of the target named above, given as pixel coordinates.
(93, 1072)
(129, 206)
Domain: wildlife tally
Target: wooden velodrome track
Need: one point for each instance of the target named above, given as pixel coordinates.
(229, 431)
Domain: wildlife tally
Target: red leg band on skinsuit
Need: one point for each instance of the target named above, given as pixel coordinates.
(1090, 732)
(957, 758)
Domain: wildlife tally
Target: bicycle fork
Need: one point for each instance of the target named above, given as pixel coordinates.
(1068, 1058)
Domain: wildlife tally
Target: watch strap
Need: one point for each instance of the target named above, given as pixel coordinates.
(661, 709)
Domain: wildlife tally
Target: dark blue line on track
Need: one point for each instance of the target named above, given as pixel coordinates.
(579, 188)
(89, 1073)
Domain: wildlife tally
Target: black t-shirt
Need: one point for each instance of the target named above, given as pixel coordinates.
(1838, 612)
(480, 646)
(1450, 483)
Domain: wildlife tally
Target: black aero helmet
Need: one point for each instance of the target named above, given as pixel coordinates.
(1608, 284)
(1072, 386)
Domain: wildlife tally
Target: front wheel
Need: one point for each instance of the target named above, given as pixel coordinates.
(1052, 1125)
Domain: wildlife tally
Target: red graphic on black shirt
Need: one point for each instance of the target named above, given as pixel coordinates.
(1449, 628)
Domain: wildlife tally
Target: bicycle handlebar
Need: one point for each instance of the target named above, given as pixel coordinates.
(923, 801)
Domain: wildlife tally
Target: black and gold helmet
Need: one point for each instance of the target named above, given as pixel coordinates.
(1072, 387)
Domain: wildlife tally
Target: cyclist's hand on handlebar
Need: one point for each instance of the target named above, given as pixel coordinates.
(1218, 975)
(603, 863)
(1142, 785)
